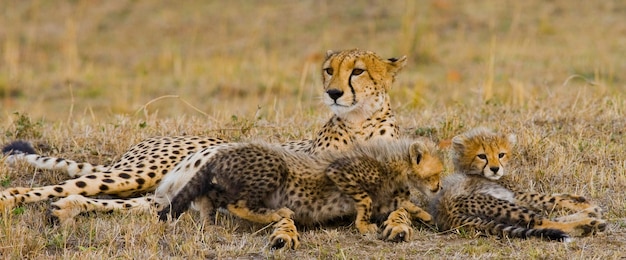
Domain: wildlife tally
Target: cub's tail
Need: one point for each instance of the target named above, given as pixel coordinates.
(507, 230)
(199, 185)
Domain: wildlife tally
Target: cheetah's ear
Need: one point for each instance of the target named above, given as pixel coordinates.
(394, 65)
(458, 143)
(330, 53)
(512, 139)
(416, 152)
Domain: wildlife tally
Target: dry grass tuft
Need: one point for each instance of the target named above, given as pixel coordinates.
(88, 79)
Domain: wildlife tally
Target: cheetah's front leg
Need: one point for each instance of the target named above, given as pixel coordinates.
(343, 173)
(64, 210)
(364, 214)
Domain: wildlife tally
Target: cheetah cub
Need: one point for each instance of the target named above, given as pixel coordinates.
(265, 183)
(473, 198)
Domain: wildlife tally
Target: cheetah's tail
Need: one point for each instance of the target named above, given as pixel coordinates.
(522, 232)
(18, 147)
(199, 185)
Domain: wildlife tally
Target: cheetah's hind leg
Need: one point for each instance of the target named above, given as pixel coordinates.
(258, 215)
(285, 234)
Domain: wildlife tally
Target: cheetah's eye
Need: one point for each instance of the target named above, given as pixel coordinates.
(356, 72)
(501, 155)
(482, 156)
(329, 71)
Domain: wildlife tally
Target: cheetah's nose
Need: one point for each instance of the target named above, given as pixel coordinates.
(494, 169)
(334, 93)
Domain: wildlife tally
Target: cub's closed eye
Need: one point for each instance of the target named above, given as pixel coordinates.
(329, 71)
(501, 155)
(482, 156)
(356, 72)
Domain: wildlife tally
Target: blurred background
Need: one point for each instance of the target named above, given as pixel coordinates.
(85, 79)
(93, 60)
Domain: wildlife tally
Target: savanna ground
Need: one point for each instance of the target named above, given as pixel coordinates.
(86, 79)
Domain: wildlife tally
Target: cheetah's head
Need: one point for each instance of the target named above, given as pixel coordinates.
(356, 82)
(426, 167)
(480, 151)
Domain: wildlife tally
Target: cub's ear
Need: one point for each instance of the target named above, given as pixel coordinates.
(458, 143)
(330, 53)
(512, 139)
(394, 65)
(416, 151)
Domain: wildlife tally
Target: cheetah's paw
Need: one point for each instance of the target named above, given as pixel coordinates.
(285, 235)
(574, 202)
(589, 227)
(591, 212)
(366, 227)
(64, 210)
(397, 227)
(594, 212)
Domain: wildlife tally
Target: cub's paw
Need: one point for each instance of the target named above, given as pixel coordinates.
(285, 235)
(397, 227)
(574, 198)
(423, 216)
(366, 227)
(591, 212)
(590, 226)
(573, 202)
(284, 213)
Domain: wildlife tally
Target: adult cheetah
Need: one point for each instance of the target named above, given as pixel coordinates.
(355, 88)
(475, 197)
(266, 183)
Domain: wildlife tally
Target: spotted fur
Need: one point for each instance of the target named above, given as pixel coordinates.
(361, 108)
(264, 183)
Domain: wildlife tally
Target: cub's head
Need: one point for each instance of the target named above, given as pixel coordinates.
(426, 167)
(357, 81)
(481, 151)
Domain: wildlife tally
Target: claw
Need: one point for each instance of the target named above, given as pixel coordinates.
(52, 219)
(602, 227)
(278, 244)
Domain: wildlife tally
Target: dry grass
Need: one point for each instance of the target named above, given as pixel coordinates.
(80, 74)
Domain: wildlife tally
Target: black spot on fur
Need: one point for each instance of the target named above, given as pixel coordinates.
(18, 147)
(81, 184)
